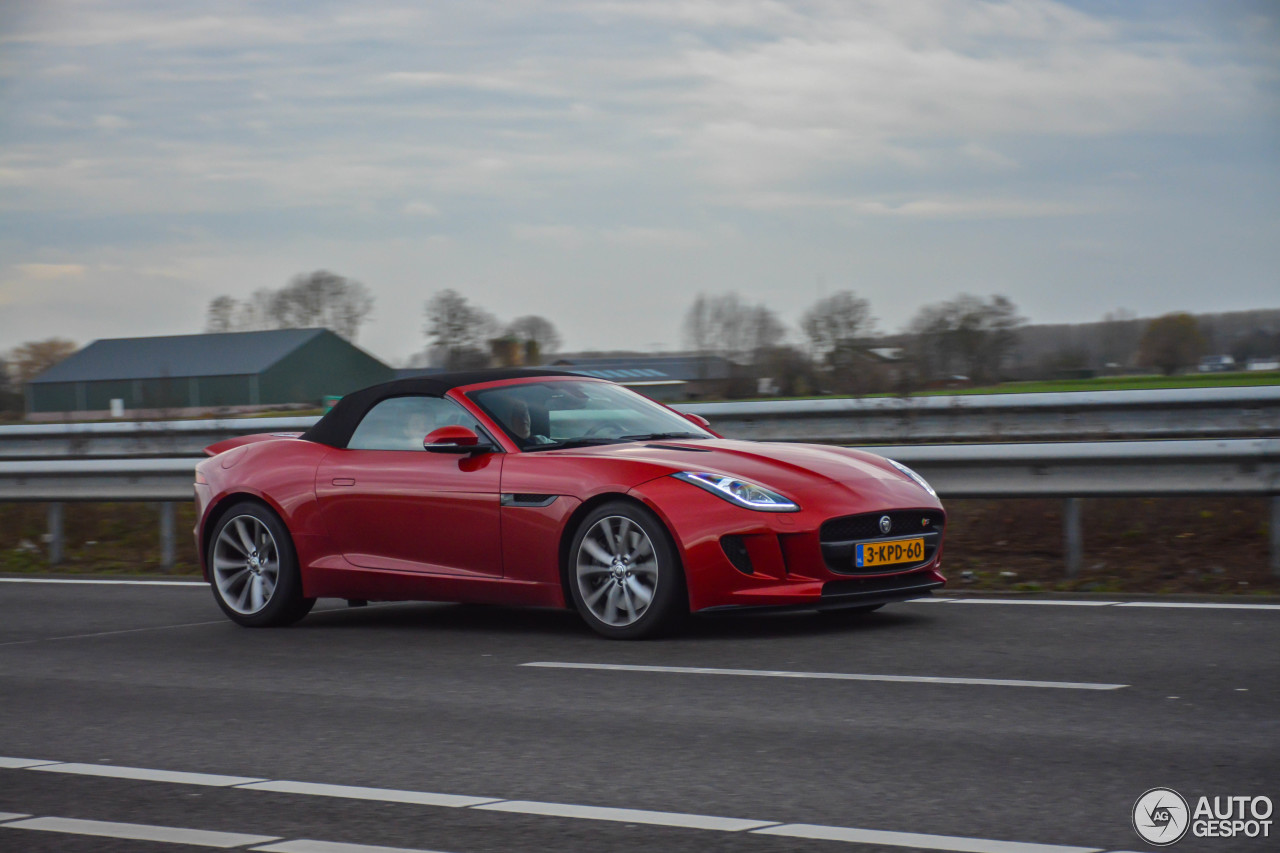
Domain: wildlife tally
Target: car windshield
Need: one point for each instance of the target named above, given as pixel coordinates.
(571, 413)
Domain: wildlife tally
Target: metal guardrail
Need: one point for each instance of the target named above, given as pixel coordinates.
(1244, 412)
(1084, 469)
(1072, 471)
(137, 439)
(1247, 412)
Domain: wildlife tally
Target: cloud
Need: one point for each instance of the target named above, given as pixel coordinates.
(868, 88)
(671, 238)
(949, 207)
(561, 236)
(577, 237)
(49, 272)
(481, 82)
(562, 136)
(110, 122)
(420, 208)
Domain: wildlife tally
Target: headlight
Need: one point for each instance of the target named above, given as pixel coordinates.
(740, 492)
(924, 484)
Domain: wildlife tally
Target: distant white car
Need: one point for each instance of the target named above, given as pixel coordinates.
(1217, 364)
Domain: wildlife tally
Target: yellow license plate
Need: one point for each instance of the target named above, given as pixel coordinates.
(887, 553)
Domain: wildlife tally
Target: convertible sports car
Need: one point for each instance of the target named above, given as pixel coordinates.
(544, 488)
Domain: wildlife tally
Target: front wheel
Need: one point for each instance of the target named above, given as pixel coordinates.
(253, 569)
(624, 573)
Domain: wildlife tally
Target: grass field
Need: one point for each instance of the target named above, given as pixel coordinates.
(1144, 382)
(1123, 383)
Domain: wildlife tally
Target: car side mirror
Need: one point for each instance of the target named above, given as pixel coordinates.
(697, 419)
(454, 439)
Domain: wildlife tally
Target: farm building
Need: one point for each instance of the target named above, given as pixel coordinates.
(662, 377)
(196, 374)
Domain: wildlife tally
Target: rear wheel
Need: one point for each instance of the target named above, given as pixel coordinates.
(253, 568)
(624, 573)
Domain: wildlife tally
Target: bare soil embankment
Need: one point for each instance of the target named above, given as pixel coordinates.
(1156, 545)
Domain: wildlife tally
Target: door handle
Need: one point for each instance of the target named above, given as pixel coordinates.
(344, 481)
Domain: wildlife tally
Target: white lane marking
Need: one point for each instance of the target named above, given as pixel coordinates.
(828, 676)
(99, 581)
(306, 845)
(21, 763)
(1199, 605)
(930, 600)
(146, 775)
(656, 818)
(7, 816)
(915, 839)
(1075, 602)
(687, 821)
(385, 795)
(113, 633)
(140, 832)
(1047, 601)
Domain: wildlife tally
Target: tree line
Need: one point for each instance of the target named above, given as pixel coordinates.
(836, 346)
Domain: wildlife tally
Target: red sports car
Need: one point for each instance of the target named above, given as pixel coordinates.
(538, 487)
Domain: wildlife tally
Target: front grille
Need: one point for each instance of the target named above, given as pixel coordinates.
(849, 528)
(840, 538)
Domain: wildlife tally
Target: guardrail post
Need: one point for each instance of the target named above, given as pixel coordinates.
(1275, 536)
(1073, 536)
(56, 541)
(166, 535)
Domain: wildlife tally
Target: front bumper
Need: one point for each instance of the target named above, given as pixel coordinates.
(783, 551)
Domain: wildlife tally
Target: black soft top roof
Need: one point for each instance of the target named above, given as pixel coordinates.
(335, 428)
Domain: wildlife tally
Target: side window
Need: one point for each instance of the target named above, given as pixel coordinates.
(400, 423)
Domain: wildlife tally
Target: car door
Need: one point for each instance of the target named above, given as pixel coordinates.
(386, 503)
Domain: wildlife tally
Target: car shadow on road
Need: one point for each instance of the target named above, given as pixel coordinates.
(496, 619)
(446, 617)
(734, 626)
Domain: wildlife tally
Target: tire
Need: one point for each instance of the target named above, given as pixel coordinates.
(253, 569)
(622, 555)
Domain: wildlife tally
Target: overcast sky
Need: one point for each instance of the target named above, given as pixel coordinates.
(602, 162)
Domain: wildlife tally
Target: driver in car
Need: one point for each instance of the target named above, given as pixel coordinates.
(521, 425)
(416, 426)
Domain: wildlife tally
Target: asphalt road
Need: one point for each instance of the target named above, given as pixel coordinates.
(1056, 719)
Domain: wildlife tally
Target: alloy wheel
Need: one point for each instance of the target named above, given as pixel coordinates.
(617, 571)
(246, 564)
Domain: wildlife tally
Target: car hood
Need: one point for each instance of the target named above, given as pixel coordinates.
(794, 470)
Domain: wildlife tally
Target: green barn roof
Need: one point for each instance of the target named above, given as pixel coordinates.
(223, 354)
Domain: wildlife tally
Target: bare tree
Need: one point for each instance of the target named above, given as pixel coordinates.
(457, 329)
(835, 324)
(537, 336)
(697, 325)
(323, 299)
(966, 335)
(1120, 332)
(10, 398)
(320, 298)
(221, 314)
(727, 326)
(764, 331)
(35, 357)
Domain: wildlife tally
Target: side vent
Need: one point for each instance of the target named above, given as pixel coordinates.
(736, 550)
(520, 499)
